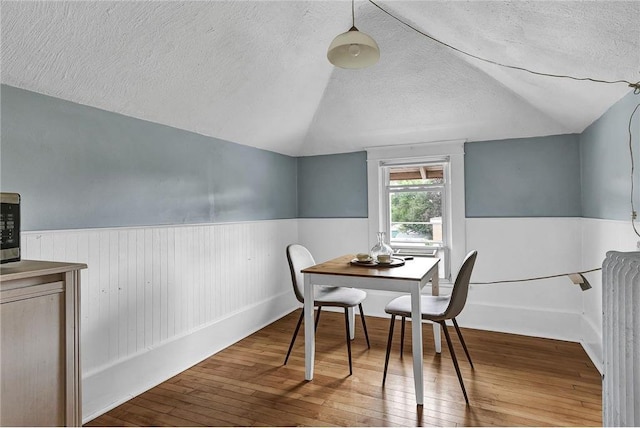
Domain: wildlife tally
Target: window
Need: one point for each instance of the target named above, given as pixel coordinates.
(416, 196)
(416, 218)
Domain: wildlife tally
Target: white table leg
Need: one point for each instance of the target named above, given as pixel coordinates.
(309, 332)
(352, 322)
(416, 330)
(435, 291)
(437, 337)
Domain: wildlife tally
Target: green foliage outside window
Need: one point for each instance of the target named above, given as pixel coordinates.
(418, 206)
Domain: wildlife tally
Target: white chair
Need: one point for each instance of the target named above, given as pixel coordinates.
(437, 309)
(300, 258)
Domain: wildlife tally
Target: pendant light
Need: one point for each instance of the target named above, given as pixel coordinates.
(353, 49)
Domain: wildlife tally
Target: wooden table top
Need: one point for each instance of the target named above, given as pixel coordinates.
(413, 270)
(30, 268)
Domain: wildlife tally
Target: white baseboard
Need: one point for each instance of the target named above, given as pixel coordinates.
(525, 321)
(591, 341)
(113, 385)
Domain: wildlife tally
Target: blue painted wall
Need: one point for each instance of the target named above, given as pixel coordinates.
(333, 186)
(81, 167)
(606, 163)
(528, 177)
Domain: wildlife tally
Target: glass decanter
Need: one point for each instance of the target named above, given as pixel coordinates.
(381, 247)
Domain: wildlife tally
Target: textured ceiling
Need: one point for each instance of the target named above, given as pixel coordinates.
(255, 72)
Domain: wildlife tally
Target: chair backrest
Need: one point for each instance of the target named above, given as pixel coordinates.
(461, 286)
(299, 258)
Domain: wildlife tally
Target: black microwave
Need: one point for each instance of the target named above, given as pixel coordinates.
(10, 224)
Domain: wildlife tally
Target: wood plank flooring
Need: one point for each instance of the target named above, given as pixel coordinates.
(517, 381)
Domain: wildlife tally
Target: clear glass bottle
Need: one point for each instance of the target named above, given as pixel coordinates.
(381, 247)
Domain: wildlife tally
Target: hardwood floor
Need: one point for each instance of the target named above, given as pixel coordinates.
(517, 380)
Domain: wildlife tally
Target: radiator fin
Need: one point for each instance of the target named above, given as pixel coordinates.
(621, 336)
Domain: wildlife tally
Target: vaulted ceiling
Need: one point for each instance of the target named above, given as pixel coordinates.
(256, 73)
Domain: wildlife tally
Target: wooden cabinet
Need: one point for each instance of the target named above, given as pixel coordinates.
(40, 344)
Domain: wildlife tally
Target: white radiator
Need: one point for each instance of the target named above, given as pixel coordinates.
(621, 336)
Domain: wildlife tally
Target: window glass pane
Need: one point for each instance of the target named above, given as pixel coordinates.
(420, 174)
(416, 218)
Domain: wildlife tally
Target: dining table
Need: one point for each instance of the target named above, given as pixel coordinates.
(411, 277)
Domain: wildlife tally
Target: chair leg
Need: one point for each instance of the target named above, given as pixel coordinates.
(295, 334)
(317, 318)
(402, 337)
(386, 359)
(346, 324)
(455, 360)
(464, 345)
(364, 325)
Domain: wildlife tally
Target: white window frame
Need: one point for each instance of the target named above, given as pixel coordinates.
(378, 158)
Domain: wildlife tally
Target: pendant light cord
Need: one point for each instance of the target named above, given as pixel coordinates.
(636, 85)
(353, 14)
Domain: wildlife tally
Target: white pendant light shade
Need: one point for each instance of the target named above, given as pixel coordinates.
(353, 49)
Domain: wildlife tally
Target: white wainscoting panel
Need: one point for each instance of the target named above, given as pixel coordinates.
(153, 294)
(156, 300)
(514, 248)
(327, 238)
(598, 237)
